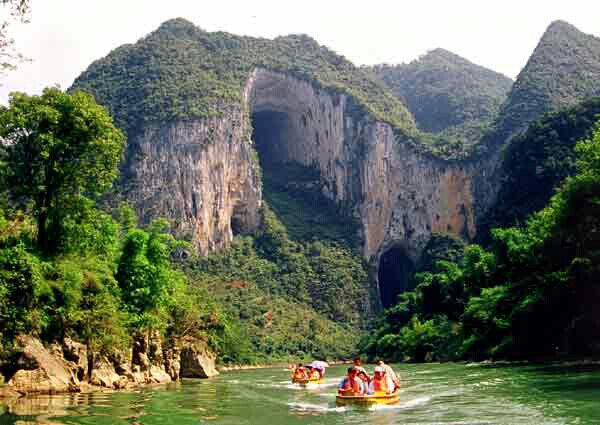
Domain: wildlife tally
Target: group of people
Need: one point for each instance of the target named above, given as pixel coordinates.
(306, 372)
(358, 382)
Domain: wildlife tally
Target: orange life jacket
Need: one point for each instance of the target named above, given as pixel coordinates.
(300, 373)
(380, 384)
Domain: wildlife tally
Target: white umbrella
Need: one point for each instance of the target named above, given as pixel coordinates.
(319, 364)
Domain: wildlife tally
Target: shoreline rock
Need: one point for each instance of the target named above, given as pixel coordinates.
(70, 366)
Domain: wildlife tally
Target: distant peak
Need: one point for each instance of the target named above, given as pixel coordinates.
(305, 38)
(178, 26)
(561, 25)
(561, 29)
(441, 52)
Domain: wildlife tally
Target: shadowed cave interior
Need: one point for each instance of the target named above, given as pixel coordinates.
(269, 135)
(395, 274)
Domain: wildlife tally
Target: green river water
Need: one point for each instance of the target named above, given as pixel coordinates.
(431, 394)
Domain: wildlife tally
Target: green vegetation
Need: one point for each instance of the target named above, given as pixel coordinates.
(298, 297)
(95, 278)
(61, 150)
(293, 193)
(99, 278)
(182, 72)
(282, 308)
(536, 162)
(443, 90)
(534, 294)
(561, 72)
(447, 95)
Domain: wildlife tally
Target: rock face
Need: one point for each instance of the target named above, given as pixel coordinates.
(197, 361)
(55, 369)
(43, 372)
(202, 175)
(399, 195)
(103, 373)
(76, 353)
(148, 358)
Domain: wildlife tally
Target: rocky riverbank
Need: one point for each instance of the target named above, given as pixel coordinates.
(70, 366)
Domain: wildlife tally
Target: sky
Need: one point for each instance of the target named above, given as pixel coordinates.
(65, 36)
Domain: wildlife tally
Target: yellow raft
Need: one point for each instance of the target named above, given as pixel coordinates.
(378, 397)
(307, 381)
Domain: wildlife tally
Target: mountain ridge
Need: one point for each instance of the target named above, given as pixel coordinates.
(561, 71)
(466, 91)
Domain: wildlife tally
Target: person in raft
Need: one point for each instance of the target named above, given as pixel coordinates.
(362, 373)
(352, 384)
(320, 372)
(393, 380)
(313, 372)
(300, 373)
(380, 383)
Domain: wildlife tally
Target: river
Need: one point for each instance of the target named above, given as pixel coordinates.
(431, 394)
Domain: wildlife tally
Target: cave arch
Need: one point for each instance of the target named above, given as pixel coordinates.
(394, 274)
(292, 120)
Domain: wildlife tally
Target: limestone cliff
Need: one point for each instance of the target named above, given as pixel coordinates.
(201, 174)
(398, 194)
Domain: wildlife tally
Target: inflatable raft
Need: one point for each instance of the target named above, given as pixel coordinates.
(367, 399)
(307, 381)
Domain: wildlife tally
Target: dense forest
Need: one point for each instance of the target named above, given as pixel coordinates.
(529, 293)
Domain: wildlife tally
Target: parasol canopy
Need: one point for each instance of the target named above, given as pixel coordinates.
(318, 364)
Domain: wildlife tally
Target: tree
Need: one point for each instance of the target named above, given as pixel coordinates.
(146, 276)
(61, 150)
(18, 10)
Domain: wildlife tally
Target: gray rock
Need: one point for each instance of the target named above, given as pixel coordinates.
(197, 361)
(47, 372)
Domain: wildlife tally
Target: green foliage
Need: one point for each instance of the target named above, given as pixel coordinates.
(289, 298)
(536, 162)
(182, 72)
(448, 95)
(23, 289)
(60, 149)
(86, 302)
(294, 194)
(536, 294)
(441, 247)
(562, 71)
(146, 277)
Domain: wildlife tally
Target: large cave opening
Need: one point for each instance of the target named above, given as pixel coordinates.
(286, 122)
(270, 130)
(395, 275)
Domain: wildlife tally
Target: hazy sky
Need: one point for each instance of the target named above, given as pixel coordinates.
(65, 36)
